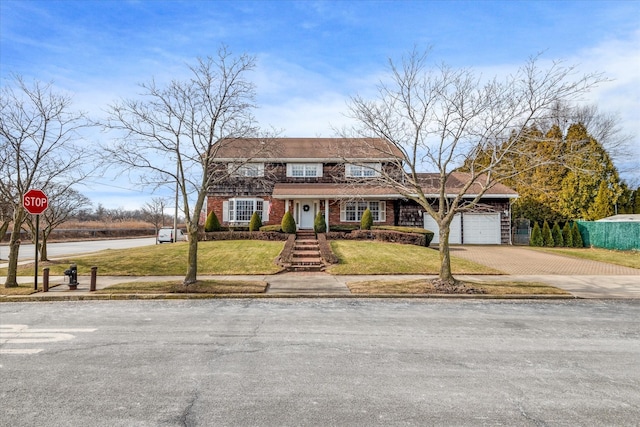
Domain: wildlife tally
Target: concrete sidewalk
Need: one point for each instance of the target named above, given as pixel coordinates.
(327, 285)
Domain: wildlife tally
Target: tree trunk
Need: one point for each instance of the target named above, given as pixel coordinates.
(14, 248)
(192, 267)
(446, 277)
(43, 248)
(3, 230)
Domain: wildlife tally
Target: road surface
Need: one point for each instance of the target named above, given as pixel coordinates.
(54, 250)
(331, 362)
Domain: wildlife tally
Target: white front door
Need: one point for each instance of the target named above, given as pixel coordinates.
(306, 213)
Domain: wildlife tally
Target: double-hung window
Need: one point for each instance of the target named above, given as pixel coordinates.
(240, 210)
(304, 170)
(363, 170)
(249, 170)
(352, 211)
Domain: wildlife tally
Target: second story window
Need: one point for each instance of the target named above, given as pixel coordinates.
(364, 170)
(250, 170)
(304, 170)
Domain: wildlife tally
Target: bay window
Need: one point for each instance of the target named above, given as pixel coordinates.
(239, 210)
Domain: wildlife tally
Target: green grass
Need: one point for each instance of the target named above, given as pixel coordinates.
(21, 289)
(624, 258)
(200, 287)
(214, 257)
(370, 257)
(418, 287)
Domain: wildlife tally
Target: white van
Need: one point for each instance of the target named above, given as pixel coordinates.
(166, 235)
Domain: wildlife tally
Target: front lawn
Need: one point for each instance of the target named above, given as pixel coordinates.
(214, 257)
(371, 257)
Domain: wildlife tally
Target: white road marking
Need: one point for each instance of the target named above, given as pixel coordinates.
(21, 334)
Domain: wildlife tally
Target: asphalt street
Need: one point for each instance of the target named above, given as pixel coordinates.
(280, 362)
(27, 251)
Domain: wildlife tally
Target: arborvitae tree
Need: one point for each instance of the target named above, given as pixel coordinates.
(558, 240)
(547, 237)
(288, 223)
(319, 224)
(567, 236)
(575, 235)
(602, 206)
(636, 201)
(255, 223)
(536, 236)
(212, 223)
(367, 220)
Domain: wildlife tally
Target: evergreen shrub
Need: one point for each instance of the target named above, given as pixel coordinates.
(319, 224)
(558, 240)
(255, 223)
(567, 237)
(212, 223)
(288, 223)
(577, 238)
(367, 220)
(547, 237)
(536, 236)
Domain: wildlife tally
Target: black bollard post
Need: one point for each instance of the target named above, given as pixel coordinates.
(45, 279)
(94, 273)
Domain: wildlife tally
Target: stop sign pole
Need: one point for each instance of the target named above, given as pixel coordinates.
(35, 202)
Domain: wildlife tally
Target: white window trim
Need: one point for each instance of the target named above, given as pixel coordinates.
(357, 170)
(231, 215)
(306, 167)
(382, 211)
(243, 170)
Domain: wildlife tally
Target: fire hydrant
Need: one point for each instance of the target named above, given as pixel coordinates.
(72, 272)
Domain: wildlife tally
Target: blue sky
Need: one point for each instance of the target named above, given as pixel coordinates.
(311, 55)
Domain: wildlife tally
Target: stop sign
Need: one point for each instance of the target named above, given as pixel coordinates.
(35, 201)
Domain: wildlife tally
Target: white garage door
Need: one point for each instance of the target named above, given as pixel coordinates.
(455, 230)
(481, 229)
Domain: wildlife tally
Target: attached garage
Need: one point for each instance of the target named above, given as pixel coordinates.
(470, 228)
(481, 228)
(455, 229)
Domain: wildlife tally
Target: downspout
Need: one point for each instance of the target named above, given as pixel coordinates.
(326, 214)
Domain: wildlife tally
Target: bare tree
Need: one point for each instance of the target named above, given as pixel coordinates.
(604, 127)
(38, 142)
(153, 212)
(170, 133)
(440, 118)
(64, 203)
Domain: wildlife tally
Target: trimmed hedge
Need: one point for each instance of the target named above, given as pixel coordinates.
(384, 235)
(343, 228)
(242, 235)
(275, 227)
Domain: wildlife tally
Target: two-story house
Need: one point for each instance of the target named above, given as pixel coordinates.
(336, 177)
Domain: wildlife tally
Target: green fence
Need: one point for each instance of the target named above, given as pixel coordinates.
(610, 235)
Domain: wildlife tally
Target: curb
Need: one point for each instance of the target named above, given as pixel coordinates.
(141, 297)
